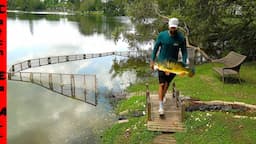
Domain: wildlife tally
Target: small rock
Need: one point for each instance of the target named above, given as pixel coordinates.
(123, 121)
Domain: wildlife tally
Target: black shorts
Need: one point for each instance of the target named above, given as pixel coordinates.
(163, 78)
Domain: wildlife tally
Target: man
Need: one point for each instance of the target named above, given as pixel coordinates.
(169, 42)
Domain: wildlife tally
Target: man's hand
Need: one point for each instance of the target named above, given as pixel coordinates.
(152, 63)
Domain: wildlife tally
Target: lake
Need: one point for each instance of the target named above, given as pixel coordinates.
(39, 116)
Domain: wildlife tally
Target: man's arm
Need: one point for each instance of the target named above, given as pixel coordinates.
(156, 47)
(155, 50)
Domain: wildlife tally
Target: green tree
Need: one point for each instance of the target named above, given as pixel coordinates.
(213, 25)
(222, 25)
(26, 5)
(91, 5)
(114, 7)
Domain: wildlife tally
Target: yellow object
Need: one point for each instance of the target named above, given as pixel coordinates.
(174, 67)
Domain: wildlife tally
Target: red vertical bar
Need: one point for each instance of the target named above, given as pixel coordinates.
(3, 69)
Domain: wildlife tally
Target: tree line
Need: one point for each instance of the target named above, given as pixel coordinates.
(217, 26)
(55, 5)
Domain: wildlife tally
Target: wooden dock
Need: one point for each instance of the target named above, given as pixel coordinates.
(171, 121)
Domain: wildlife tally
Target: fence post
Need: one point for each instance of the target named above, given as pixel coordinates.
(9, 76)
(21, 68)
(95, 87)
(29, 63)
(72, 80)
(50, 81)
(40, 75)
(13, 68)
(85, 93)
(177, 94)
(61, 83)
(148, 103)
(182, 112)
(173, 90)
(20, 77)
(31, 77)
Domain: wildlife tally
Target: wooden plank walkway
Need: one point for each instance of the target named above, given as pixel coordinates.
(164, 139)
(172, 120)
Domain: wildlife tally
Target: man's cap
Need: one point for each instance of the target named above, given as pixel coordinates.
(173, 22)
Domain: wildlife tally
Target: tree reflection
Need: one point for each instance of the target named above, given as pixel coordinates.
(110, 27)
(136, 35)
(137, 64)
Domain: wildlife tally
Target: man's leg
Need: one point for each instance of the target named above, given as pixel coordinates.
(162, 78)
(169, 78)
(161, 96)
(161, 91)
(166, 86)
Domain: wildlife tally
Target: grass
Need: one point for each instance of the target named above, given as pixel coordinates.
(202, 127)
(207, 85)
(216, 128)
(135, 131)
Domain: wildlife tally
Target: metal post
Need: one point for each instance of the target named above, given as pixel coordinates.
(29, 63)
(61, 84)
(9, 76)
(72, 80)
(50, 81)
(21, 67)
(40, 74)
(49, 60)
(13, 68)
(31, 77)
(20, 77)
(85, 93)
(95, 86)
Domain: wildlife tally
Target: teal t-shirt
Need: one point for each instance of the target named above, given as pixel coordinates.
(170, 46)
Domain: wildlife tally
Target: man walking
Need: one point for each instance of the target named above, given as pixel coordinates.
(168, 43)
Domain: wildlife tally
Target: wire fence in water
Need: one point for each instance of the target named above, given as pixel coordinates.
(76, 86)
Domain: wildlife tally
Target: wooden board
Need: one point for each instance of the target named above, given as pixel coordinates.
(164, 139)
(172, 120)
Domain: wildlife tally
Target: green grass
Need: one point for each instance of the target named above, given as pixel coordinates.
(207, 85)
(132, 104)
(216, 128)
(202, 127)
(137, 130)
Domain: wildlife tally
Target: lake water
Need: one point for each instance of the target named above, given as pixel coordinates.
(39, 116)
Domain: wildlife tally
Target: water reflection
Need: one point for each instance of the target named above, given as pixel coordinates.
(59, 37)
(37, 115)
